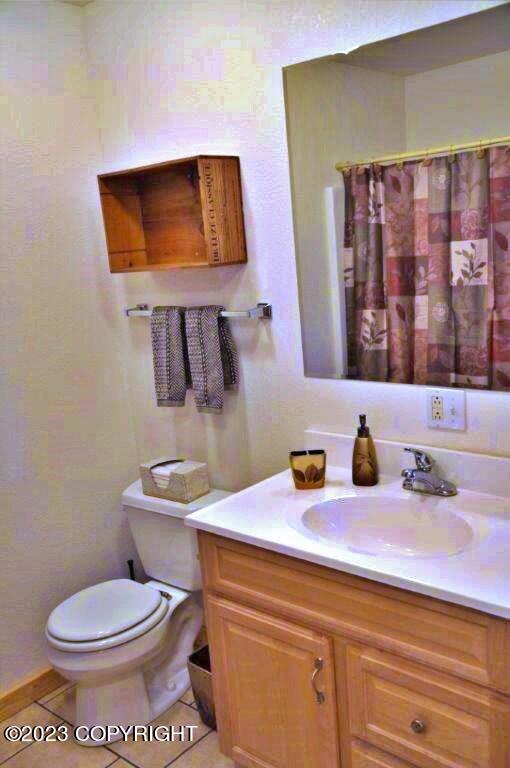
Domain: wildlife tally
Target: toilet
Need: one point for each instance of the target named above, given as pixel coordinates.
(125, 644)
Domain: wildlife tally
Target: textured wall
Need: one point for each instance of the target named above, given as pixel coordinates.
(66, 447)
(173, 79)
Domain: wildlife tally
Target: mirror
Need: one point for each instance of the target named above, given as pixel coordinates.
(399, 157)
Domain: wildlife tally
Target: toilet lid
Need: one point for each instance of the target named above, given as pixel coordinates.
(103, 610)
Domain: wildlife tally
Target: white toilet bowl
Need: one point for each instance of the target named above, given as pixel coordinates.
(125, 645)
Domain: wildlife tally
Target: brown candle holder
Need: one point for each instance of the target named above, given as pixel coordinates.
(308, 469)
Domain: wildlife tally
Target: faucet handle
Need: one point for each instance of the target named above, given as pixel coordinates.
(423, 461)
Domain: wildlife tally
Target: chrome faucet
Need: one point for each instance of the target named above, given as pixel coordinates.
(423, 479)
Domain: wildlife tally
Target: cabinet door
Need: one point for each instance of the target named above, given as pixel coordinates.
(274, 690)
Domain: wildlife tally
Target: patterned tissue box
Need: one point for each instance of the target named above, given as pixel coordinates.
(175, 479)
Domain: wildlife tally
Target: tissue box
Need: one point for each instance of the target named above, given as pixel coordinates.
(175, 479)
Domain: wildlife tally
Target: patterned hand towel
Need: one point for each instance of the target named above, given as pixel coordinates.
(171, 369)
(212, 354)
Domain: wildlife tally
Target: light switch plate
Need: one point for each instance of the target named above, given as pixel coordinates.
(446, 408)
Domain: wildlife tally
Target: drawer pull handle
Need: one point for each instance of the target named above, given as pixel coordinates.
(418, 726)
(318, 665)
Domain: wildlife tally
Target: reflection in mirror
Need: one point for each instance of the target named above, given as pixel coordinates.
(400, 169)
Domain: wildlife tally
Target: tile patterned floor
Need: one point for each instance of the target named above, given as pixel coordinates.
(58, 707)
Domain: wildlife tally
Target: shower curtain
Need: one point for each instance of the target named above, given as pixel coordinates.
(427, 270)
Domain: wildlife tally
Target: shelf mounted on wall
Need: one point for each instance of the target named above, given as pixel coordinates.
(263, 311)
(181, 213)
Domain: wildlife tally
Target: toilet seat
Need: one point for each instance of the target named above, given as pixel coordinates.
(105, 615)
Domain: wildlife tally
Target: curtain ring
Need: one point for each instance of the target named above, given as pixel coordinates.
(480, 152)
(451, 155)
(427, 161)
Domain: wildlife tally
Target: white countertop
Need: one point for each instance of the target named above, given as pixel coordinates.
(268, 515)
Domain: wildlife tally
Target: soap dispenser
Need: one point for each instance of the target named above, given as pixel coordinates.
(364, 459)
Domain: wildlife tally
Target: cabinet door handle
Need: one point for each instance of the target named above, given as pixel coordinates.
(318, 665)
(418, 726)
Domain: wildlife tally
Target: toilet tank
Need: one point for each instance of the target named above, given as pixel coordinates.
(166, 546)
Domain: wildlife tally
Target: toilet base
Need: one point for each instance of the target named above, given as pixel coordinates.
(125, 702)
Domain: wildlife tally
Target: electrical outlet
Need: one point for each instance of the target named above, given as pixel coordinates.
(446, 408)
(437, 408)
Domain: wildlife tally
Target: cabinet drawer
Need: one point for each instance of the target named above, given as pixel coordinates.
(365, 756)
(467, 643)
(430, 719)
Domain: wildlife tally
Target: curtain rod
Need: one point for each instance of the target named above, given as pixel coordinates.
(425, 153)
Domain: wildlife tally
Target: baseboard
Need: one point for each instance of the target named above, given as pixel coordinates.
(29, 690)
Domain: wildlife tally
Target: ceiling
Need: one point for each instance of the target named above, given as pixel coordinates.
(469, 37)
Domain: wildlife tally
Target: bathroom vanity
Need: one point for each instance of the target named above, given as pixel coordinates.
(327, 656)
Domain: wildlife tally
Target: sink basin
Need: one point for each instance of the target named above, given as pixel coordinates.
(391, 526)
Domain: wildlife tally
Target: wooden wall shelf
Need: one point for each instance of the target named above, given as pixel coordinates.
(182, 213)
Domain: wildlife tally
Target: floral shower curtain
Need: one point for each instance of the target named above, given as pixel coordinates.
(427, 270)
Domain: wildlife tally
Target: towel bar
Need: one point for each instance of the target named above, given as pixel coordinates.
(262, 311)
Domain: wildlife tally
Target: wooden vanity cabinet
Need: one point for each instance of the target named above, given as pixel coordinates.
(314, 668)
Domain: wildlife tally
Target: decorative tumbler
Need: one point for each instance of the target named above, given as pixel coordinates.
(308, 469)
